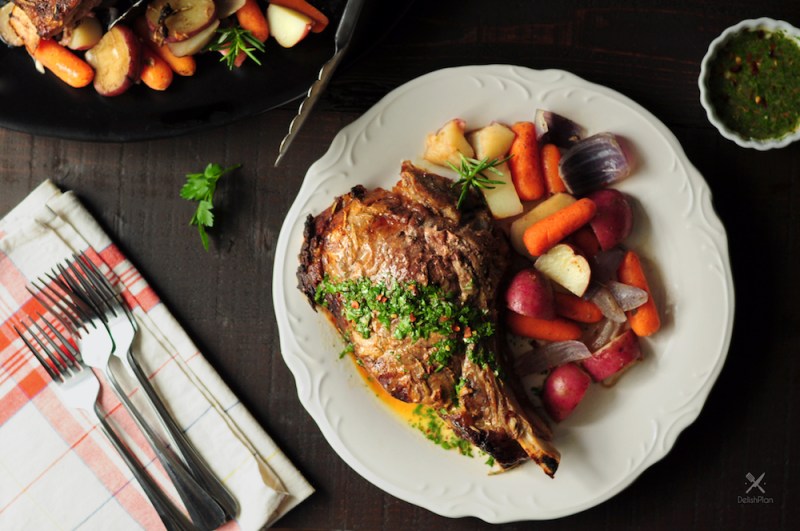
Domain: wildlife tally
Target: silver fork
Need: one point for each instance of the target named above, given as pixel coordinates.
(123, 327)
(77, 311)
(79, 388)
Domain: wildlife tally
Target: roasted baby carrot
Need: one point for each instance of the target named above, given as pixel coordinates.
(155, 73)
(546, 329)
(547, 232)
(577, 309)
(319, 18)
(644, 320)
(525, 163)
(183, 66)
(67, 66)
(551, 156)
(251, 18)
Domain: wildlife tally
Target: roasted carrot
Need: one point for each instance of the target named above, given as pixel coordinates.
(585, 240)
(525, 163)
(644, 320)
(551, 156)
(577, 309)
(155, 73)
(183, 66)
(547, 232)
(319, 18)
(546, 329)
(251, 18)
(67, 66)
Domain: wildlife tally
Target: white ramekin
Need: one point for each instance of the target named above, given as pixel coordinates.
(766, 24)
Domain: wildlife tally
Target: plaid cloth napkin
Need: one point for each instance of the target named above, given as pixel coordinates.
(57, 470)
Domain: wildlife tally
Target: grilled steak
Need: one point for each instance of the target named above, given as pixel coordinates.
(411, 282)
(51, 17)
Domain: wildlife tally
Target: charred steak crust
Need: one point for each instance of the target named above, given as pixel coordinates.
(412, 248)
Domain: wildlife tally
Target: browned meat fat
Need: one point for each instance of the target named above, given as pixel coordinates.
(51, 16)
(414, 235)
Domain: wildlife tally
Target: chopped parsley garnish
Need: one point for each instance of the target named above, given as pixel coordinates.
(436, 430)
(460, 385)
(412, 310)
(348, 349)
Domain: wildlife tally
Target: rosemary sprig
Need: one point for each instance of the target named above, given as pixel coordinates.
(471, 174)
(234, 40)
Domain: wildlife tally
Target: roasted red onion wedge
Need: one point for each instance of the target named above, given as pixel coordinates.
(593, 163)
(551, 355)
(604, 299)
(605, 265)
(601, 333)
(628, 297)
(553, 128)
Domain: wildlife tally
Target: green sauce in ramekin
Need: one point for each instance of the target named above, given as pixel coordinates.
(754, 84)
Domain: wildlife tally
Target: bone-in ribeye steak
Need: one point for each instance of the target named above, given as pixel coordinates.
(411, 281)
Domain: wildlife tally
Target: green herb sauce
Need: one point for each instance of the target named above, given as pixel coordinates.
(435, 430)
(754, 84)
(411, 310)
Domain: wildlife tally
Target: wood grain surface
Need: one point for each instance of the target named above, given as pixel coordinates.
(649, 51)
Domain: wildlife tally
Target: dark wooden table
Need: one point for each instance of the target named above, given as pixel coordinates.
(649, 51)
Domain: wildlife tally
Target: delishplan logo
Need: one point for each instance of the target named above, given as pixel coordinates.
(755, 484)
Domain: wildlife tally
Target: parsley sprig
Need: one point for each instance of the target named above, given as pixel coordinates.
(472, 174)
(234, 40)
(200, 187)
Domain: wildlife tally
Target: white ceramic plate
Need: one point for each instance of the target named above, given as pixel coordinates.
(616, 433)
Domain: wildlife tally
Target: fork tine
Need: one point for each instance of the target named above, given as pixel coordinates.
(73, 306)
(56, 376)
(60, 365)
(57, 306)
(105, 284)
(71, 353)
(93, 276)
(83, 289)
(94, 272)
(55, 277)
(64, 271)
(77, 291)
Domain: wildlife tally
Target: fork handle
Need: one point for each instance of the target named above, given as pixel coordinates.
(173, 519)
(197, 465)
(203, 509)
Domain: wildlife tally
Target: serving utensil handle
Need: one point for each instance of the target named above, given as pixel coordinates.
(314, 92)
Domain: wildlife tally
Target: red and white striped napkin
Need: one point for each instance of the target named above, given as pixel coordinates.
(57, 470)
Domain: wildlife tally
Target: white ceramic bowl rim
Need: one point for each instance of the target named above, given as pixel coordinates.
(763, 23)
